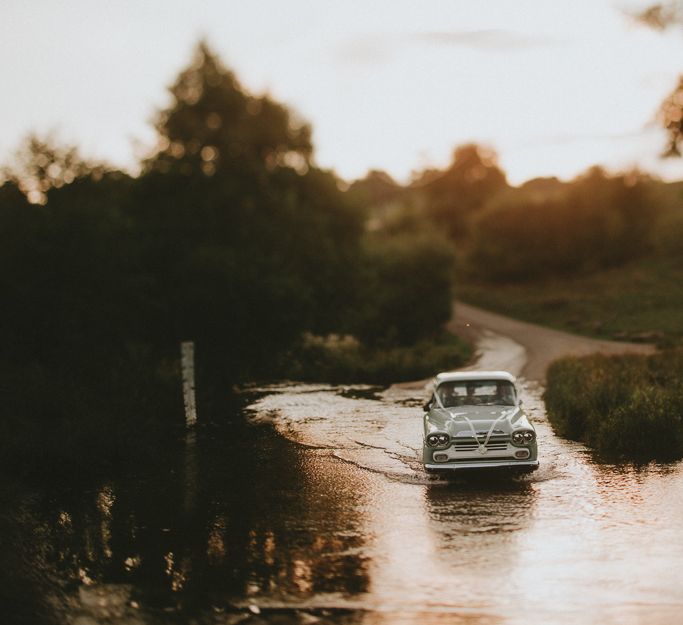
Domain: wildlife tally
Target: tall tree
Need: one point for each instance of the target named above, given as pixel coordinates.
(214, 125)
(454, 196)
(257, 244)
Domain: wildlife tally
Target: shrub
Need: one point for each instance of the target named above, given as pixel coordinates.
(623, 406)
(405, 294)
(594, 222)
(343, 360)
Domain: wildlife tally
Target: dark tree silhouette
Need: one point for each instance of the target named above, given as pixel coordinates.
(595, 221)
(458, 193)
(231, 237)
(41, 163)
(214, 125)
(249, 243)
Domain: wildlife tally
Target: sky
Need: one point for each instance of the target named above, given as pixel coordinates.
(553, 86)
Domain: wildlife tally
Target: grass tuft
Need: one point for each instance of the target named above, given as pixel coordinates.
(628, 407)
(343, 360)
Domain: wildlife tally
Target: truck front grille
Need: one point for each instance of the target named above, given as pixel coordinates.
(495, 443)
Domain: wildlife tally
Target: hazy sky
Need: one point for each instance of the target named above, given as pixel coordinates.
(554, 86)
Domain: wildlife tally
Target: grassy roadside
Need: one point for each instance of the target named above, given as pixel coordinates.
(625, 407)
(641, 301)
(343, 360)
(630, 407)
(60, 425)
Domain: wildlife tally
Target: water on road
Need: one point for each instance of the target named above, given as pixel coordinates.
(319, 511)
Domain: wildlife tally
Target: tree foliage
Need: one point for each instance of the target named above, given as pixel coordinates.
(213, 125)
(596, 221)
(231, 237)
(406, 288)
(662, 16)
(42, 163)
(461, 190)
(249, 243)
(671, 117)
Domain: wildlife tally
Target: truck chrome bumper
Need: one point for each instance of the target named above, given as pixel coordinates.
(531, 465)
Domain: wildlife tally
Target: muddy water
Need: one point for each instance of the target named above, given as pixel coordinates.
(319, 511)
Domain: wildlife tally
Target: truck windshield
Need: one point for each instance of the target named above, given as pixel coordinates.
(477, 393)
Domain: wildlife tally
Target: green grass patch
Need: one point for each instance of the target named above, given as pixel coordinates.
(628, 407)
(638, 300)
(641, 301)
(343, 360)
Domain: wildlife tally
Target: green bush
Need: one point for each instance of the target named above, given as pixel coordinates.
(622, 406)
(230, 237)
(594, 222)
(405, 293)
(343, 360)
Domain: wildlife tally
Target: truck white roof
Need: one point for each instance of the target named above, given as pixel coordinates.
(457, 376)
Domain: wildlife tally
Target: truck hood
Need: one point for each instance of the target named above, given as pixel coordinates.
(454, 421)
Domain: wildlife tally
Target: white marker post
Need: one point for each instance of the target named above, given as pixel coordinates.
(187, 369)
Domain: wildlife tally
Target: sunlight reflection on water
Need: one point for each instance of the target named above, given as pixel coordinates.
(576, 537)
(342, 525)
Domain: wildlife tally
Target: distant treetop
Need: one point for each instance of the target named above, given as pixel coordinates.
(214, 124)
(42, 163)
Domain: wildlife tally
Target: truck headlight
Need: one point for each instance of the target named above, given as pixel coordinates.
(523, 437)
(438, 440)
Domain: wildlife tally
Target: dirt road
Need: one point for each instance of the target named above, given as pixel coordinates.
(541, 345)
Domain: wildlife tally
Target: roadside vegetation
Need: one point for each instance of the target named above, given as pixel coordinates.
(625, 407)
(231, 237)
(638, 298)
(599, 255)
(345, 360)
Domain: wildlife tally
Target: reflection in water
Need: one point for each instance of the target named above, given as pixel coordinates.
(476, 525)
(469, 510)
(257, 520)
(344, 526)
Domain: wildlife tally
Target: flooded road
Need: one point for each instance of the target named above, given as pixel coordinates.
(319, 511)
